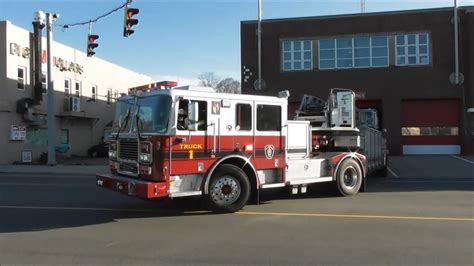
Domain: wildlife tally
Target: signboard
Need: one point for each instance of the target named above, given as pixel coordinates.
(26, 156)
(18, 132)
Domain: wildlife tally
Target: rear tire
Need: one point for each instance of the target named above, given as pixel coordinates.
(229, 189)
(349, 178)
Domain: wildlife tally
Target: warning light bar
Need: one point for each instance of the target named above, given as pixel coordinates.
(162, 85)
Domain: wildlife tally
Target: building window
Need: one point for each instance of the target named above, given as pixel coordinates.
(94, 93)
(358, 52)
(77, 89)
(412, 49)
(268, 117)
(64, 136)
(243, 117)
(297, 55)
(43, 83)
(109, 96)
(67, 87)
(21, 78)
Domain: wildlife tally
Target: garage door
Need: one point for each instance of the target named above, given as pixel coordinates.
(430, 127)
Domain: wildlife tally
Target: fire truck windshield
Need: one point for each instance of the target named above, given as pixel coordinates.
(152, 111)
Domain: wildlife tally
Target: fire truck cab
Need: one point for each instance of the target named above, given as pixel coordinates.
(191, 141)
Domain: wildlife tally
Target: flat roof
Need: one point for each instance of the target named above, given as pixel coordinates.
(396, 12)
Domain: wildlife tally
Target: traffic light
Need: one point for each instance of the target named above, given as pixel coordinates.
(91, 44)
(129, 21)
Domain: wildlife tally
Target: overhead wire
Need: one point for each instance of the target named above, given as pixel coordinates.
(66, 26)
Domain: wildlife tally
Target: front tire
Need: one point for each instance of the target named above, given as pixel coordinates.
(349, 178)
(229, 189)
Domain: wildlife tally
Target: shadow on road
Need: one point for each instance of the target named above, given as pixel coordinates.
(39, 218)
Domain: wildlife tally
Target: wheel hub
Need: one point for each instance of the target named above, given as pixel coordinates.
(350, 177)
(226, 190)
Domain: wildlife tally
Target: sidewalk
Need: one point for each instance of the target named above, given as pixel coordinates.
(73, 166)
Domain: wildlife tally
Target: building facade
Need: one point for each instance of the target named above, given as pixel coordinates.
(399, 63)
(85, 89)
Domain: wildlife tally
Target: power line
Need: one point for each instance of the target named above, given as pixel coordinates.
(66, 26)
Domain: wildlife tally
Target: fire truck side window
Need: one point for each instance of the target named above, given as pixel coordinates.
(243, 117)
(183, 121)
(268, 117)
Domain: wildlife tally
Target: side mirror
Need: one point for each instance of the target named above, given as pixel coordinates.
(193, 116)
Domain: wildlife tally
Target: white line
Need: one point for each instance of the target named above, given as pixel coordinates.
(392, 172)
(462, 159)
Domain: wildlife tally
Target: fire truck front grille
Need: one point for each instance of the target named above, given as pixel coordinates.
(128, 150)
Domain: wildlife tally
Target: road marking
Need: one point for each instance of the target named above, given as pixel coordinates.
(356, 216)
(392, 172)
(45, 184)
(462, 159)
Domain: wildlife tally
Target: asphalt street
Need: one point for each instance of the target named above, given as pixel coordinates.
(407, 218)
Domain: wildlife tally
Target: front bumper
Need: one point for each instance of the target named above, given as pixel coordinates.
(132, 187)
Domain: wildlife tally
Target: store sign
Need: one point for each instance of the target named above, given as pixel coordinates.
(18, 132)
(64, 65)
(16, 49)
(60, 63)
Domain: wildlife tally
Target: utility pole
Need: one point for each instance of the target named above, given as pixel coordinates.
(259, 33)
(456, 44)
(51, 128)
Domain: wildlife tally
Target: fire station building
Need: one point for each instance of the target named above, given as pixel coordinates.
(85, 89)
(400, 63)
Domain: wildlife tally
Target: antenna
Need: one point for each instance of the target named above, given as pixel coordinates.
(362, 6)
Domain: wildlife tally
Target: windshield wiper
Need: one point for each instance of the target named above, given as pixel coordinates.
(137, 118)
(124, 124)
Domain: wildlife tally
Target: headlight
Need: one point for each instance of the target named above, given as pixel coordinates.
(145, 158)
(113, 145)
(112, 154)
(145, 152)
(145, 147)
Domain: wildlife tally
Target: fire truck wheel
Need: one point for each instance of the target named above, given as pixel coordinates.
(349, 178)
(229, 189)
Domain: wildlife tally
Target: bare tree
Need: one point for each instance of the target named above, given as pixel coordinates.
(227, 85)
(208, 79)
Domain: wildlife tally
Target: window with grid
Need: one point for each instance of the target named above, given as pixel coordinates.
(297, 55)
(67, 87)
(412, 49)
(21, 77)
(78, 89)
(357, 52)
(94, 93)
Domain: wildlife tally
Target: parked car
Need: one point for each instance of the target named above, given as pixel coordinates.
(100, 150)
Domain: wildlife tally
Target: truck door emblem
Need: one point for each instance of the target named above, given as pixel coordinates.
(269, 151)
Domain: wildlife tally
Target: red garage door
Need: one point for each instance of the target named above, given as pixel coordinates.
(430, 127)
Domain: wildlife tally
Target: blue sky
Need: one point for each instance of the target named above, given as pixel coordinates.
(182, 38)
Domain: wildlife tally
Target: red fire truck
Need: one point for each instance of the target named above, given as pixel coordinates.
(174, 142)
